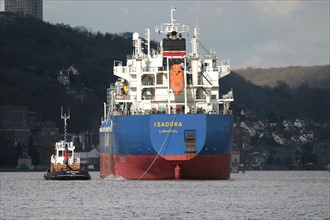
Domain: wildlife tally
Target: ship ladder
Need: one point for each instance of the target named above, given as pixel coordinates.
(152, 163)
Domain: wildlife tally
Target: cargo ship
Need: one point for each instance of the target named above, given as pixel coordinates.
(164, 117)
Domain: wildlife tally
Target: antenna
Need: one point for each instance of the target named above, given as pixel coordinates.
(65, 117)
(172, 16)
(167, 28)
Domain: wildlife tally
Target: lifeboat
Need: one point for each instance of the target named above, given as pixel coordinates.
(176, 76)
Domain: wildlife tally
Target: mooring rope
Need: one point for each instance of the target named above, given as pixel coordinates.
(152, 163)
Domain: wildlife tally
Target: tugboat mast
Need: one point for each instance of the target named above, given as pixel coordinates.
(65, 117)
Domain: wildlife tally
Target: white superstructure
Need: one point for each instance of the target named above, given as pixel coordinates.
(60, 148)
(145, 85)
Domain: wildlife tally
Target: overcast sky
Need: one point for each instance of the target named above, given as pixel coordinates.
(249, 33)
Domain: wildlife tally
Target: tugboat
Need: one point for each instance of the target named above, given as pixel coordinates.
(65, 164)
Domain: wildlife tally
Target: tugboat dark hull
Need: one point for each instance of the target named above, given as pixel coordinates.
(68, 175)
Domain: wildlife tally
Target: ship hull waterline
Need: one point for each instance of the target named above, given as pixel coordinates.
(67, 175)
(201, 167)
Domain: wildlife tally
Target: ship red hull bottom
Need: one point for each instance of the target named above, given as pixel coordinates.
(146, 167)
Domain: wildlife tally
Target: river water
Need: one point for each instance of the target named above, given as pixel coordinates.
(250, 195)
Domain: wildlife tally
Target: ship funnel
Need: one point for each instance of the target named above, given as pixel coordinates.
(174, 35)
(135, 36)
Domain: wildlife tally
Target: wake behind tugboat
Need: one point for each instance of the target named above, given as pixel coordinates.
(65, 164)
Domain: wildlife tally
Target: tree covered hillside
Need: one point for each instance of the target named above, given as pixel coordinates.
(293, 76)
(33, 52)
(279, 102)
(46, 48)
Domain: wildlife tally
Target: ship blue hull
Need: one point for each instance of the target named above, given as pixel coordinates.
(167, 146)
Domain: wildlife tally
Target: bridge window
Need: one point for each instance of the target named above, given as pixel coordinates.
(159, 78)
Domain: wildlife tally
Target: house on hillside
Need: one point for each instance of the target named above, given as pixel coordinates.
(259, 125)
(287, 123)
(294, 139)
(278, 139)
(63, 78)
(64, 75)
(299, 123)
(72, 70)
(248, 126)
(303, 139)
